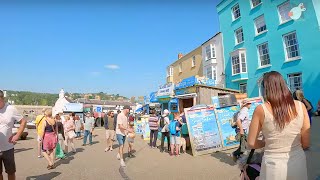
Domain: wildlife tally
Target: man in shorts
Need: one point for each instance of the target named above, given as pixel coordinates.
(122, 131)
(8, 116)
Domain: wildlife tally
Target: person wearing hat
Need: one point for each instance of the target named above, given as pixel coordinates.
(122, 131)
(164, 123)
(243, 124)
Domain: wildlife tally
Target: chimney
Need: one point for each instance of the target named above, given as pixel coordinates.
(180, 55)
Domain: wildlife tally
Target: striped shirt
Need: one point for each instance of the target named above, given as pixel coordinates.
(153, 123)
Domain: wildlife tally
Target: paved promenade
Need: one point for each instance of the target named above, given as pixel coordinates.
(91, 162)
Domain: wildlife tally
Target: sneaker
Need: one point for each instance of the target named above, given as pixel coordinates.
(111, 149)
(122, 164)
(39, 156)
(107, 149)
(118, 156)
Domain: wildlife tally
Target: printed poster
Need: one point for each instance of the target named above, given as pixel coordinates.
(225, 120)
(203, 130)
(138, 127)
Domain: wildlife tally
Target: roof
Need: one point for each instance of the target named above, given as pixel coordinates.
(103, 102)
(211, 38)
(182, 58)
(218, 88)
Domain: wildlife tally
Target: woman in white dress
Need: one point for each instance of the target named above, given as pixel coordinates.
(285, 126)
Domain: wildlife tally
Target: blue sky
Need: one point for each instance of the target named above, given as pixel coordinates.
(99, 46)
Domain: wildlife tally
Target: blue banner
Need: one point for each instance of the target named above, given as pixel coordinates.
(153, 97)
(188, 82)
(225, 120)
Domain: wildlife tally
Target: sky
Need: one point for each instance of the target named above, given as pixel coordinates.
(117, 47)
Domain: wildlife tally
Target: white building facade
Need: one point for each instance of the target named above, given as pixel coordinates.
(213, 59)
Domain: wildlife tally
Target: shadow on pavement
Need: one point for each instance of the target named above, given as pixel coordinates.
(44, 176)
(66, 160)
(224, 157)
(115, 146)
(22, 150)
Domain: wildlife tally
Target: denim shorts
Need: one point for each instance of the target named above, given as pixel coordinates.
(121, 139)
(175, 140)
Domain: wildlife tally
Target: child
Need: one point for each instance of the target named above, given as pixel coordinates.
(131, 135)
(174, 128)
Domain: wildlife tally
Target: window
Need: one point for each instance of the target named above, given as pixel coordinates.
(213, 52)
(236, 12)
(264, 57)
(243, 88)
(208, 53)
(283, 11)
(209, 72)
(243, 63)
(239, 35)
(193, 64)
(291, 45)
(260, 25)
(239, 63)
(235, 64)
(180, 67)
(170, 71)
(295, 81)
(214, 72)
(255, 3)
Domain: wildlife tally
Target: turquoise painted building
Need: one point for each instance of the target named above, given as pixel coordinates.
(264, 35)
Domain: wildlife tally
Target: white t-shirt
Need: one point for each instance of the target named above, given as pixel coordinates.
(166, 123)
(244, 117)
(122, 119)
(8, 116)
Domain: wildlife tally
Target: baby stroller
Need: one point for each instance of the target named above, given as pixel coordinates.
(250, 165)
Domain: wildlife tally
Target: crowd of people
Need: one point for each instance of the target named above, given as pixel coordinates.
(280, 126)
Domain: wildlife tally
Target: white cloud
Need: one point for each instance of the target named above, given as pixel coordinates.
(95, 73)
(112, 66)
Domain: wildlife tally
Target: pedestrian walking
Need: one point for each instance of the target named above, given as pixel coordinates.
(8, 116)
(154, 127)
(285, 127)
(131, 135)
(175, 139)
(49, 139)
(88, 129)
(61, 137)
(122, 131)
(243, 123)
(78, 125)
(69, 128)
(110, 126)
(164, 127)
(39, 124)
(300, 97)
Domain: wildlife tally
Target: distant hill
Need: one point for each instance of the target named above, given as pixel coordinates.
(47, 99)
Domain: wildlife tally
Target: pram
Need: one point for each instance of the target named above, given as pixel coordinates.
(250, 165)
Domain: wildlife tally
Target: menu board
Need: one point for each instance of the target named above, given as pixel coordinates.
(254, 103)
(225, 118)
(203, 130)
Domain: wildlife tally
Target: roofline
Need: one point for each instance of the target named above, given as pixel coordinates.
(184, 56)
(221, 2)
(211, 38)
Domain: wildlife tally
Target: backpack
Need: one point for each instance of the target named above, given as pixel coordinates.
(184, 129)
(162, 122)
(172, 127)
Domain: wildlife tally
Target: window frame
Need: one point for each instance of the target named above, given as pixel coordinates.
(256, 27)
(260, 55)
(252, 6)
(180, 67)
(279, 13)
(242, 64)
(243, 85)
(293, 75)
(193, 61)
(206, 50)
(233, 12)
(209, 69)
(236, 35)
(284, 40)
(213, 51)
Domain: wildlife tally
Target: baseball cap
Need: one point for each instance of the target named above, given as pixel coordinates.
(127, 107)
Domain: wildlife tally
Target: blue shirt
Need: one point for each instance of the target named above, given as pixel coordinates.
(177, 126)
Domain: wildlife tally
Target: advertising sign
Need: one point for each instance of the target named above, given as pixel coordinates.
(225, 119)
(203, 130)
(73, 107)
(185, 91)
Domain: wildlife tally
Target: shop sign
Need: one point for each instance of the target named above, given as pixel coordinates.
(192, 81)
(165, 90)
(186, 91)
(153, 97)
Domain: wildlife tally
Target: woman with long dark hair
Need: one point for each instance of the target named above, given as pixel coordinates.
(285, 126)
